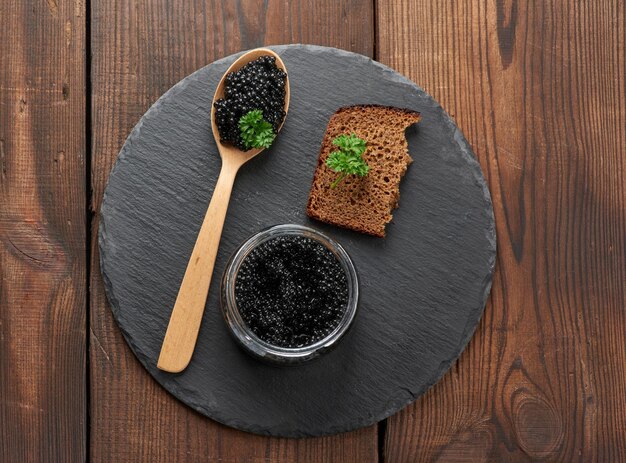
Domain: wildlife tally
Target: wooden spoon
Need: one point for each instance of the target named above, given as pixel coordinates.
(182, 331)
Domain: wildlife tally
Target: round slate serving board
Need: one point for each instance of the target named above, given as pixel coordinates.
(423, 287)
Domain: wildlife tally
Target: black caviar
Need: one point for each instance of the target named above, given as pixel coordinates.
(291, 291)
(260, 84)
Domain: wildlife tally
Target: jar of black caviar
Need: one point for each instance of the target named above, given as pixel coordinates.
(289, 294)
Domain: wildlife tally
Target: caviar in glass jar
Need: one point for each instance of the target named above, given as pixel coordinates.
(291, 291)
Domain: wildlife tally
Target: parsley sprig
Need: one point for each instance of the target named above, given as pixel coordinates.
(348, 160)
(255, 131)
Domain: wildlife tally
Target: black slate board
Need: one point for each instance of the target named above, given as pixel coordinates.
(423, 288)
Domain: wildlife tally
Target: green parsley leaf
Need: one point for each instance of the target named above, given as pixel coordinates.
(348, 160)
(255, 131)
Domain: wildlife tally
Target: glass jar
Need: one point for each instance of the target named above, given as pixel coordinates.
(247, 338)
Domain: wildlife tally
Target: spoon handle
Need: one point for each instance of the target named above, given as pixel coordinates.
(182, 331)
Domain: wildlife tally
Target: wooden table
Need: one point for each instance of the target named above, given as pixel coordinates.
(539, 90)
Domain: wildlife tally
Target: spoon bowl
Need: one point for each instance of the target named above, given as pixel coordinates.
(182, 331)
(227, 148)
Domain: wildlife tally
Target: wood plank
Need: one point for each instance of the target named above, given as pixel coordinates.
(538, 88)
(42, 231)
(140, 49)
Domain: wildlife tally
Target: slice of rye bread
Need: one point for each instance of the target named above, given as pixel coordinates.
(365, 203)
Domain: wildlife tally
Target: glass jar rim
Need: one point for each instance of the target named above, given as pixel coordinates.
(246, 336)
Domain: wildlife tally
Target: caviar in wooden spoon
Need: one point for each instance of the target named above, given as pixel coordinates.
(182, 331)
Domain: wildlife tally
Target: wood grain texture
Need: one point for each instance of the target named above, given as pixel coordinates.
(539, 90)
(140, 49)
(42, 231)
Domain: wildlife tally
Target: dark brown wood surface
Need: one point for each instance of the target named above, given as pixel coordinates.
(42, 231)
(538, 88)
(140, 49)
